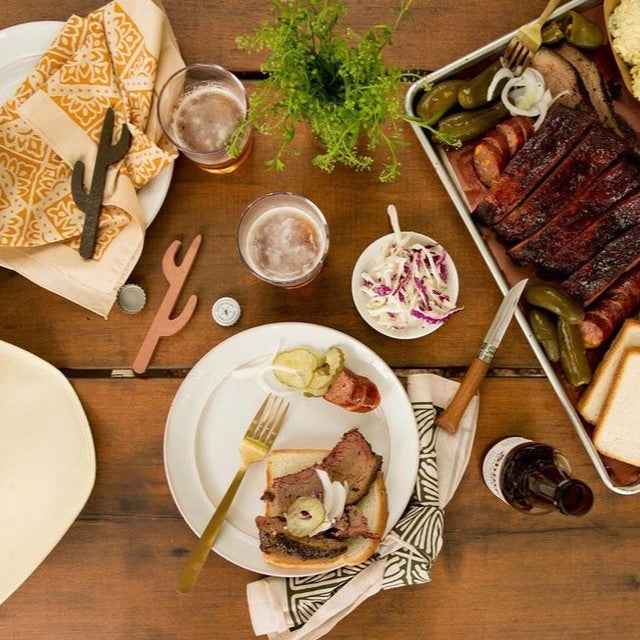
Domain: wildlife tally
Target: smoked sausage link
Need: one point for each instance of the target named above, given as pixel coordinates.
(611, 310)
(353, 392)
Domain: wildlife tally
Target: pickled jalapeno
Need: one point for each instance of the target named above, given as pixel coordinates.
(582, 32)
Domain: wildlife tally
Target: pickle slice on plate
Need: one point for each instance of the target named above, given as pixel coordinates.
(296, 367)
(304, 516)
(324, 375)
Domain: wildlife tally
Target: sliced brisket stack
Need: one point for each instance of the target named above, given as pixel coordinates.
(558, 134)
(353, 461)
(569, 202)
(597, 149)
(594, 202)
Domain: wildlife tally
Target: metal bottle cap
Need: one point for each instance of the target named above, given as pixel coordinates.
(131, 298)
(226, 311)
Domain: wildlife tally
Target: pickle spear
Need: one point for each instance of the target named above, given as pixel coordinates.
(552, 299)
(473, 94)
(435, 103)
(471, 124)
(573, 357)
(544, 329)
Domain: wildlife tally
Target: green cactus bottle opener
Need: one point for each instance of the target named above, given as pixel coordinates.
(90, 203)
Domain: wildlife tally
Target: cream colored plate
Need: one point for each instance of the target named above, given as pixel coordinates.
(213, 408)
(47, 462)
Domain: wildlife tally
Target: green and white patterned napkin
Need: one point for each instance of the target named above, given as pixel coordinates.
(307, 608)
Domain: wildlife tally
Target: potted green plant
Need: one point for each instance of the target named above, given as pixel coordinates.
(330, 78)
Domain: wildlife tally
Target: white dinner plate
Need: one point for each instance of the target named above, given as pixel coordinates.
(367, 259)
(213, 408)
(47, 462)
(20, 49)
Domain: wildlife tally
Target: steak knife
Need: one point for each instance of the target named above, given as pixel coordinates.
(449, 419)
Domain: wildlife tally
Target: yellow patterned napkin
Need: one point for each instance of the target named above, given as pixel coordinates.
(118, 56)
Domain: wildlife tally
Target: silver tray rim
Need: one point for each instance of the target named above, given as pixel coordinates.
(447, 176)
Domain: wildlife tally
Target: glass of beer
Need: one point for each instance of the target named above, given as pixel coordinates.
(200, 109)
(283, 238)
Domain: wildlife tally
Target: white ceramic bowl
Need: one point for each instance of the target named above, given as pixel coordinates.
(364, 263)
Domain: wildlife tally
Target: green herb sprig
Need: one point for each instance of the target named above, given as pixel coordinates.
(334, 80)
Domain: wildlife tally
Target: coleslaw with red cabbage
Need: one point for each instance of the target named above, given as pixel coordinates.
(407, 285)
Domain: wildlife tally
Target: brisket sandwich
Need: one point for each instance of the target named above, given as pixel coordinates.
(323, 509)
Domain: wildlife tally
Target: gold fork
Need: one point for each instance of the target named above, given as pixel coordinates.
(255, 445)
(526, 42)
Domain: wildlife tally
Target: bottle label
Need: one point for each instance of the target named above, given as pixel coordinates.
(494, 461)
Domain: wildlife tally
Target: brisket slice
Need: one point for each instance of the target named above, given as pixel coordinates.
(558, 134)
(593, 278)
(287, 489)
(591, 80)
(351, 460)
(274, 538)
(589, 158)
(559, 76)
(352, 523)
(616, 183)
(595, 237)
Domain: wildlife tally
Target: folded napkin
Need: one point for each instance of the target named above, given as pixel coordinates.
(308, 608)
(118, 56)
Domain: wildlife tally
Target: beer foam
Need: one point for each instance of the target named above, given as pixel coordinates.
(206, 116)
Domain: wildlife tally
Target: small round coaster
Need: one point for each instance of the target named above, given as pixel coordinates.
(226, 311)
(131, 298)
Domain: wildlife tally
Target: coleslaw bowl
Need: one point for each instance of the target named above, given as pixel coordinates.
(368, 258)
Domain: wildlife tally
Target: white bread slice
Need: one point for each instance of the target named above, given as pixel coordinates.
(594, 398)
(617, 433)
(282, 462)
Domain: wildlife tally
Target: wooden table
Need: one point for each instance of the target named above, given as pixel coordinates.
(500, 575)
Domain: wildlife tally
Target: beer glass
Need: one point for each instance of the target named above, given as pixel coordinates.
(200, 108)
(283, 238)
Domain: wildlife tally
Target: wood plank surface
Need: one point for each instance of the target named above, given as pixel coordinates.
(500, 574)
(355, 205)
(433, 34)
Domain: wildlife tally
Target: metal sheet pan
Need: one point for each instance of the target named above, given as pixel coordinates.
(445, 172)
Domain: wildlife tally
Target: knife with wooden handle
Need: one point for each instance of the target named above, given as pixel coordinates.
(449, 419)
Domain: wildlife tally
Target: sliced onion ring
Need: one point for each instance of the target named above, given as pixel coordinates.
(500, 74)
(527, 88)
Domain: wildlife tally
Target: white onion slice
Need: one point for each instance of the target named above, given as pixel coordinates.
(500, 75)
(524, 95)
(334, 500)
(260, 371)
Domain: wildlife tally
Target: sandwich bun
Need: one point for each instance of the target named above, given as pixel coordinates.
(373, 506)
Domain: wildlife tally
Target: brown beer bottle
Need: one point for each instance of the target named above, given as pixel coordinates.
(534, 478)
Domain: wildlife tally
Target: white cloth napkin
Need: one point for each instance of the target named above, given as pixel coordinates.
(308, 608)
